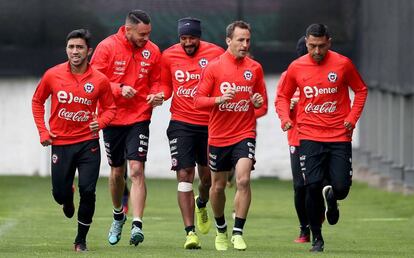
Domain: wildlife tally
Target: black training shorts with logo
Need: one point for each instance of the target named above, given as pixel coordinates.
(85, 157)
(188, 144)
(330, 161)
(295, 166)
(225, 158)
(126, 142)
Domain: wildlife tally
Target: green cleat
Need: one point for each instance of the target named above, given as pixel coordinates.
(221, 242)
(238, 242)
(203, 221)
(192, 241)
(116, 230)
(137, 236)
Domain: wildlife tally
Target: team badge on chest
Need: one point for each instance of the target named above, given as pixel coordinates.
(248, 75)
(332, 77)
(88, 87)
(146, 54)
(203, 62)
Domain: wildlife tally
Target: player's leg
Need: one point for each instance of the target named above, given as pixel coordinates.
(88, 163)
(137, 139)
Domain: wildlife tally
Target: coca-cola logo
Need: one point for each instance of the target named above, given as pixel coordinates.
(64, 97)
(327, 107)
(187, 93)
(240, 106)
(182, 76)
(314, 91)
(76, 116)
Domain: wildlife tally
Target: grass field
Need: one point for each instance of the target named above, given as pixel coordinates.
(372, 224)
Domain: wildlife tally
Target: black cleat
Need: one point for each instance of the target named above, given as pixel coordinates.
(331, 206)
(80, 247)
(317, 245)
(69, 209)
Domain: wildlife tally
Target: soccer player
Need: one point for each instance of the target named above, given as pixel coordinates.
(75, 88)
(181, 67)
(232, 86)
(325, 122)
(131, 62)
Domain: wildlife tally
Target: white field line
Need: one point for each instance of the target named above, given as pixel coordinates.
(383, 219)
(6, 226)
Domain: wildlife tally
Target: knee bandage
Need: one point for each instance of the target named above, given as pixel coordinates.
(185, 187)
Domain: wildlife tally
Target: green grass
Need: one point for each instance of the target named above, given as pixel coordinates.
(373, 223)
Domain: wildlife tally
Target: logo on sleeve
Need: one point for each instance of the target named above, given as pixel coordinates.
(248, 75)
(203, 62)
(332, 77)
(88, 87)
(146, 53)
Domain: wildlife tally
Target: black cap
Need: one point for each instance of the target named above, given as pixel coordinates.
(189, 26)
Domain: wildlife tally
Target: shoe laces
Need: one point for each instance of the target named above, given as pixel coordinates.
(204, 216)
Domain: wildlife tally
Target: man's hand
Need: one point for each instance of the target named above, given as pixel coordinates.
(257, 100)
(287, 126)
(293, 103)
(128, 92)
(49, 141)
(228, 95)
(155, 99)
(94, 125)
(348, 125)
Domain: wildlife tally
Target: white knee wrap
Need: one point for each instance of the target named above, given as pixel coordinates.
(185, 187)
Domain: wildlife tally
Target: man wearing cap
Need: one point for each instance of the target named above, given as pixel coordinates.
(131, 62)
(181, 68)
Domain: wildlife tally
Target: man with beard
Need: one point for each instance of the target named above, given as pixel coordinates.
(181, 68)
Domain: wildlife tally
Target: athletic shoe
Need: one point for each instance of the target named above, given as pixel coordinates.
(304, 236)
(203, 221)
(331, 206)
(192, 241)
(116, 230)
(221, 242)
(238, 242)
(80, 247)
(317, 245)
(69, 209)
(137, 236)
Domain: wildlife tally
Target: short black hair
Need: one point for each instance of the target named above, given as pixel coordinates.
(82, 34)
(318, 30)
(301, 48)
(138, 16)
(232, 26)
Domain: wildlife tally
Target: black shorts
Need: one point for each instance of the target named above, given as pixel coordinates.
(85, 157)
(225, 158)
(188, 144)
(126, 142)
(295, 166)
(326, 161)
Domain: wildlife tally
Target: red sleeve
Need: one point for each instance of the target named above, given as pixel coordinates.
(166, 79)
(203, 98)
(100, 61)
(261, 88)
(285, 90)
(354, 80)
(155, 74)
(40, 96)
(107, 104)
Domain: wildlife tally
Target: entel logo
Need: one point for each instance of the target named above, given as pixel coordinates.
(181, 76)
(314, 91)
(64, 97)
(225, 86)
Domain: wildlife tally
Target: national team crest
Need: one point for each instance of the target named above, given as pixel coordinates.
(146, 54)
(203, 62)
(332, 77)
(88, 87)
(248, 75)
(54, 158)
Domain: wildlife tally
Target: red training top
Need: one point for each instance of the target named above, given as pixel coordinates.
(234, 120)
(73, 104)
(123, 64)
(324, 104)
(180, 73)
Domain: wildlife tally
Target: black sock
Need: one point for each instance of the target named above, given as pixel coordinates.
(82, 232)
(137, 223)
(238, 226)
(305, 229)
(189, 229)
(200, 203)
(221, 224)
(118, 214)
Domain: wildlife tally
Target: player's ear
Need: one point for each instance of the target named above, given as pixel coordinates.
(90, 50)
